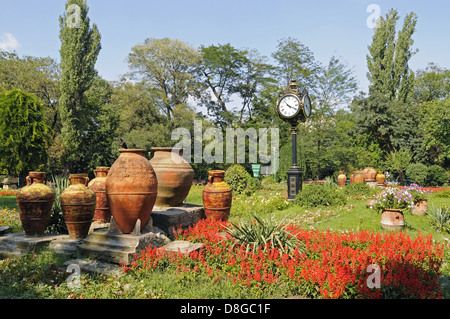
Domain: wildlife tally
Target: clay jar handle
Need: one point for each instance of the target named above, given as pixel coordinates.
(29, 180)
(86, 181)
(210, 179)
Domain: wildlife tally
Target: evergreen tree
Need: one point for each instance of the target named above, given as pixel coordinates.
(24, 134)
(80, 46)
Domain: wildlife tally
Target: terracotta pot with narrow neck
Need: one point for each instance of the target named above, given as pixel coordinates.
(342, 179)
(174, 174)
(131, 189)
(78, 206)
(35, 203)
(217, 196)
(98, 184)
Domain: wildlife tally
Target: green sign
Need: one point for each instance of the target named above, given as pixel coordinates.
(256, 168)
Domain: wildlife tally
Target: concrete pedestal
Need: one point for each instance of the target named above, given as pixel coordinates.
(166, 218)
(19, 244)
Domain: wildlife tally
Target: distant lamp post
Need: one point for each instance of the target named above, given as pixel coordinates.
(294, 106)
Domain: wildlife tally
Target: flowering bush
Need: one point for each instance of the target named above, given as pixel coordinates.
(334, 264)
(417, 192)
(393, 198)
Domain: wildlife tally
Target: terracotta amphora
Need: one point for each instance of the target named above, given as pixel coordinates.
(217, 196)
(131, 189)
(342, 179)
(175, 176)
(381, 178)
(35, 203)
(358, 177)
(370, 174)
(78, 206)
(98, 184)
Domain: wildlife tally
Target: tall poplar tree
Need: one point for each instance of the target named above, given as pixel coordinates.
(389, 54)
(80, 46)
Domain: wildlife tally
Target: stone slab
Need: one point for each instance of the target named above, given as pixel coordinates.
(4, 230)
(19, 244)
(166, 218)
(95, 267)
(64, 245)
(117, 248)
(185, 247)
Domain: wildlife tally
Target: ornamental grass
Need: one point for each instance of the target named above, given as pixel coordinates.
(332, 265)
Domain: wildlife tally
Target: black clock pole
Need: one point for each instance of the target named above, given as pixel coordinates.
(295, 175)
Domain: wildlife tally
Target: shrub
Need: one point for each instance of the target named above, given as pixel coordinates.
(315, 195)
(417, 173)
(356, 189)
(240, 181)
(436, 176)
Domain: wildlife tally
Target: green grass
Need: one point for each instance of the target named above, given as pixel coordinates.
(168, 284)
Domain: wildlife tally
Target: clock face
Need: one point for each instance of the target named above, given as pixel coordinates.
(289, 106)
(307, 105)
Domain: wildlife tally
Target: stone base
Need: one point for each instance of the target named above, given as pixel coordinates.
(117, 248)
(19, 244)
(166, 218)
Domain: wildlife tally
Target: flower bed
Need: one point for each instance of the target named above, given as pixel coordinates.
(8, 192)
(334, 264)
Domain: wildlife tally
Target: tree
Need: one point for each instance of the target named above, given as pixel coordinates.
(435, 126)
(167, 67)
(336, 86)
(80, 46)
(388, 57)
(220, 70)
(24, 134)
(432, 83)
(39, 76)
(296, 61)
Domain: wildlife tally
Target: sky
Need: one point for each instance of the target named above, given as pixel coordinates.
(326, 27)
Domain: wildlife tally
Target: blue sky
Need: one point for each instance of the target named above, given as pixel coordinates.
(327, 27)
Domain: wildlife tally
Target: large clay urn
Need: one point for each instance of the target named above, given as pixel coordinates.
(78, 206)
(370, 174)
(392, 219)
(217, 197)
(342, 179)
(174, 174)
(35, 203)
(358, 177)
(381, 178)
(98, 184)
(131, 189)
(352, 180)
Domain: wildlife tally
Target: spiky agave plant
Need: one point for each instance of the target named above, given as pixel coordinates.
(259, 232)
(57, 225)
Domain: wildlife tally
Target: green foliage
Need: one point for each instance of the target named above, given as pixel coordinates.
(436, 176)
(57, 225)
(80, 46)
(435, 125)
(417, 173)
(262, 233)
(439, 218)
(389, 54)
(355, 189)
(240, 181)
(317, 195)
(24, 134)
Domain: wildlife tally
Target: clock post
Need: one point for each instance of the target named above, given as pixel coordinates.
(294, 107)
(294, 174)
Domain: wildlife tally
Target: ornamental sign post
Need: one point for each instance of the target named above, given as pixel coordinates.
(294, 106)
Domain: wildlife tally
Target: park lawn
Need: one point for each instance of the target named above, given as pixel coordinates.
(170, 284)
